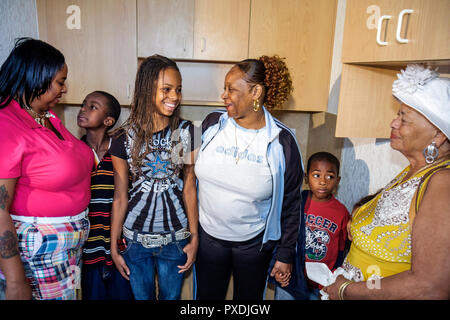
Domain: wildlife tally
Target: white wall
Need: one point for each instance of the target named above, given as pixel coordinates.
(336, 65)
(18, 18)
(367, 165)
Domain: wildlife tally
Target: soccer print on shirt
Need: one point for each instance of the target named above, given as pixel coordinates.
(316, 243)
(318, 236)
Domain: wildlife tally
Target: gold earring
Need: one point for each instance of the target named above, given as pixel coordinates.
(255, 105)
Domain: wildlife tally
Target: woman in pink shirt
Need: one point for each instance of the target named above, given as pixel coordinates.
(44, 178)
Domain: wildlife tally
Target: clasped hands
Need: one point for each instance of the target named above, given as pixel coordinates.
(282, 273)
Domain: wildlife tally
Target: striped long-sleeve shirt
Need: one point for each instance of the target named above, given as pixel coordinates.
(96, 250)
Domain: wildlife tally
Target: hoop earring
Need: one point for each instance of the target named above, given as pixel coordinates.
(255, 105)
(431, 152)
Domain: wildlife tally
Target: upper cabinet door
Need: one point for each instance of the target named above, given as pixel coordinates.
(166, 28)
(221, 29)
(401, 30)
(302, 31)
(98, 40)
(366, 104)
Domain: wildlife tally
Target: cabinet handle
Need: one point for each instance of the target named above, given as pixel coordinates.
(203, 48)
(399, 25)
(128, 90)
(184, 44)
(380, 23)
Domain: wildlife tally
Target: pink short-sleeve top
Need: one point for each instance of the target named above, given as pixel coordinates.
(53, 175)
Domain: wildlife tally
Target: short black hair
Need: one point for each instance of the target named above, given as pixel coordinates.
(323, 156)
(113, 105)
(28, 71)
(364, 200)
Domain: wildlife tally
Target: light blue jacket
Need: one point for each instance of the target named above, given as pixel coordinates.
(286, 166)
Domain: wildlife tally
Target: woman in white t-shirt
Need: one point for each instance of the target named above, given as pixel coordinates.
(249, 172)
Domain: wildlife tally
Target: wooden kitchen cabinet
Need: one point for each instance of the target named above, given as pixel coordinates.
(302, 31)
(371, 61)
(166, 28)
(366, 104)
(426, 29)
(213, 30)
(221, 29)
(98, 40)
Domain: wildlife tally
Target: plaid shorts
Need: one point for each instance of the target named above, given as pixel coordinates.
(51, 254)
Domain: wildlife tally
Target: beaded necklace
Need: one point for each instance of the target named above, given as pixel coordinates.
(39, 118)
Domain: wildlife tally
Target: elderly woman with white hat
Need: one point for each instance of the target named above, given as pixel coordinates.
(401, 237)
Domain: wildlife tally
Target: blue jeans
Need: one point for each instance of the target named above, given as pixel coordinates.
(143, 262)
(281, 294)
(104, 283)
(314, 294)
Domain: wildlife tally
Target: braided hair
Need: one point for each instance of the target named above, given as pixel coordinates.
(143, 108)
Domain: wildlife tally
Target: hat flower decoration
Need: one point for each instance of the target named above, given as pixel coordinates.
(413, 78)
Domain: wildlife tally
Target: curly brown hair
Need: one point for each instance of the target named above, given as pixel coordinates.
(271, 73)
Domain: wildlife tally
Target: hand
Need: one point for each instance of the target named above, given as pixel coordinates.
(18, 290)
(282, 272)
(332, 290)
(119, 261)
(282, 279)
(191, 251)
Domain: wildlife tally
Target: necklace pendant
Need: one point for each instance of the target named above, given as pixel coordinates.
(39, 118)
(40, 121)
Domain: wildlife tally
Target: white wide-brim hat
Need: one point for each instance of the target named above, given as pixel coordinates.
(423, 90)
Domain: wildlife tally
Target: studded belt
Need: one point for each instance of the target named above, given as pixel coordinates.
(154, 240)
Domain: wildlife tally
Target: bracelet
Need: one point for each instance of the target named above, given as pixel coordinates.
(342, 289)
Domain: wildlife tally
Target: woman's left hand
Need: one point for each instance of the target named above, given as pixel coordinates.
(191, 251)
(332, 290)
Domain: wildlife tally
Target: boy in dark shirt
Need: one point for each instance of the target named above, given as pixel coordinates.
(100, 280)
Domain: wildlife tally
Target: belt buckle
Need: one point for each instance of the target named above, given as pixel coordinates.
(148, 238)
(146, 241)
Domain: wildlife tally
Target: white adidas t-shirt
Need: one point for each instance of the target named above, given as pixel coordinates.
(234, 197)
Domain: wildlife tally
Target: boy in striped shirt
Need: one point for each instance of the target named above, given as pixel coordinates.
(100, 280)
